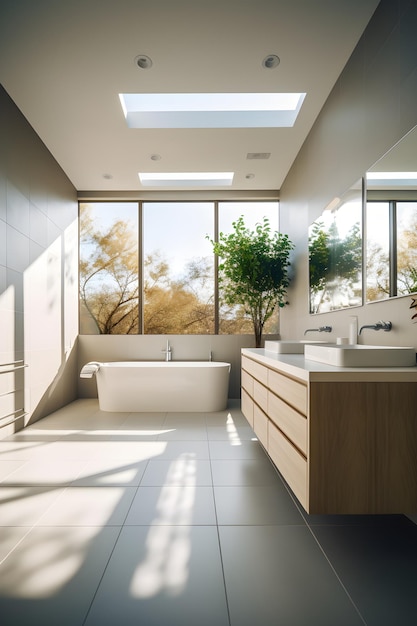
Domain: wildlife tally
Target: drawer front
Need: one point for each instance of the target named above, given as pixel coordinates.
(293, 392)
(247, 405)
(292, 423)
(289, 462)
(247, 382)
(258, 371)
(260, 426)
(260, 395)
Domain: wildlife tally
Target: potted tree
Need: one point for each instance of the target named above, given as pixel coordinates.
(253, 270)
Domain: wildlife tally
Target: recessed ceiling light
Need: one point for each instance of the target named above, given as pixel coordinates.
(143, 62)
(211, 110)
(186, 179)
(271, 61)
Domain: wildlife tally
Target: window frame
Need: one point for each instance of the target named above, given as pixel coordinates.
(141, 245)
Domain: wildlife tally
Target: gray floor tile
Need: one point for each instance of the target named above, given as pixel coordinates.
(45, 472)
(183, 470)
(25, 506)
(236, 450)
(89, 506)
(181, 449)
(171, 505)
(378, 566)
(231, 433)
(8, 467)
(278, 575)
(244, 472)
(250, 505)
(162, 575)
(110, 472)
(53, 574)
(183, 433)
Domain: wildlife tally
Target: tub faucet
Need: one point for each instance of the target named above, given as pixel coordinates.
(168, 352)
(386, 326)
(321, 329)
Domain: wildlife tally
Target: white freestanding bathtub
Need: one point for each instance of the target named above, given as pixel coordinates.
(162, 386)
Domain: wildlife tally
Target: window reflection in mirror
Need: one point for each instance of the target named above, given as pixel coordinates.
(335, 254)
(391, 222)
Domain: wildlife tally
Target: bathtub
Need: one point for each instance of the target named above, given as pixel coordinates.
(163, 386)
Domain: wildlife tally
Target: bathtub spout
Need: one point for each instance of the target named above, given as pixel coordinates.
(168, 352)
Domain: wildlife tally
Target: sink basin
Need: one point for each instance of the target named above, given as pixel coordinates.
(361, 356)
(288, 347)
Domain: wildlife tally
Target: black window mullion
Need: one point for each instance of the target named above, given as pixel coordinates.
(216, 270)
(393, 265)
(141, 290)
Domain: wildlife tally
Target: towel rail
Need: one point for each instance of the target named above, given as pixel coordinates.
(12, 367)
(12, 421)
(15, 367)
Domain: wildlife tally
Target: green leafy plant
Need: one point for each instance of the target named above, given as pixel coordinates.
(253, 271)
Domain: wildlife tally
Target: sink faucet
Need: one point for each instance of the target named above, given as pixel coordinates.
(168, 352)
(321, 329)
(386, 326)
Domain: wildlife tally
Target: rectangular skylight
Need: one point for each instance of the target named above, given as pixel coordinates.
(211, 110)
(186, 179)
(386, 179)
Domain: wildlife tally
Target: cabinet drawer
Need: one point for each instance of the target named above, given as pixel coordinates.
(260, 395)
(292, 423)
(247, 405)
(260, 426)
(289, 462)
(247, 382)
(293, 392)
(258, 371)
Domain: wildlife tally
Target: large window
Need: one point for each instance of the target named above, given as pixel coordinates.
(149, 267)
(109, 269)
(178, 268)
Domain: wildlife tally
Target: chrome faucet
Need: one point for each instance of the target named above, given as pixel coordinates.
(168, 352)
(321, 329)
(386, 326)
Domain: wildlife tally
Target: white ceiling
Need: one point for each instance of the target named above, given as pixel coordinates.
(64, 65)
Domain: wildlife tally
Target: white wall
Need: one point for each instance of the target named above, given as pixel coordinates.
(373, 105)
(38, 273)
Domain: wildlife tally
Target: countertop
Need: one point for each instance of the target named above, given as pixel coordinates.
(297, 366)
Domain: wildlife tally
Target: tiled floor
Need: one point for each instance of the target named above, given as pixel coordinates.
(180, 519)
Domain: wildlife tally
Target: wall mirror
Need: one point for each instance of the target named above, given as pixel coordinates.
(391, 222)
(335, 253)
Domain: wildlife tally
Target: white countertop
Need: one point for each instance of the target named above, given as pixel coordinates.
(297, 366)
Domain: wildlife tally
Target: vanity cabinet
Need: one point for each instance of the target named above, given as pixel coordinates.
(344, 440)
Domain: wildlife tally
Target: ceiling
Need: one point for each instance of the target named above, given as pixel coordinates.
(64, 65)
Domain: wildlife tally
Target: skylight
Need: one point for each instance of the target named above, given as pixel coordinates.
(211, 110)
(186, 179)
(386, 179)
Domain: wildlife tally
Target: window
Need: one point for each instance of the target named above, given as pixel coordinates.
(391, 249)
(109, 270)
(149, 267)
(233, 320)
(178, 268)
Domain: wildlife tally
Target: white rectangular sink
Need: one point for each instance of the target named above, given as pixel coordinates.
(288, 346)
(361, 356)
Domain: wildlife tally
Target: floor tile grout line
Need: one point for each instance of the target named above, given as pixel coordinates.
(219, 542)
(94, 595)
(311, 531)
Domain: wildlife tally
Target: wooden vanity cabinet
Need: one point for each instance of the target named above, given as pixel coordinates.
(342, 446)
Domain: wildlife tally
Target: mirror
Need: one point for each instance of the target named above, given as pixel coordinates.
(335, 254)
(391, 222)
